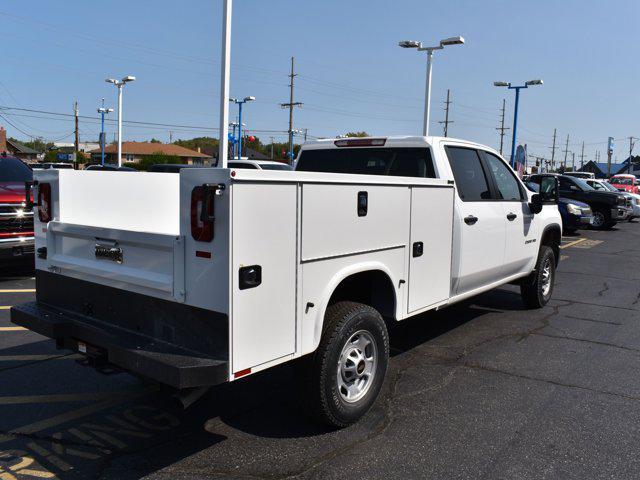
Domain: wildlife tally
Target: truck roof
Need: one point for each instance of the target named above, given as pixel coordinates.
(389, 141)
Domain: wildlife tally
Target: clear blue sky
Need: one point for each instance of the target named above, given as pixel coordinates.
(352, 75)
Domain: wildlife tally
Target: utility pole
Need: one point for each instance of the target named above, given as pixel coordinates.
(76, 112)
(170, 136)
(272, 140)
(573, 161)
(566, 151)
(446, 115)
(290, 106)
(582, 156)
(306, 130)
(553, 150)
(631, 145)
(502, 128)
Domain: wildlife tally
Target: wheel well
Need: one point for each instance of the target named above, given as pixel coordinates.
(551, 238)
(373, 288)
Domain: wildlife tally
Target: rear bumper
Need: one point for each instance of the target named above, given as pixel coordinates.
(16, 247)
(171, 343)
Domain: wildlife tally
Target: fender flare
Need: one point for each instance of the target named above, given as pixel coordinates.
(336, 280)
(548, 228)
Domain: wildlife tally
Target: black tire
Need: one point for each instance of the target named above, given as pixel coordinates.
(345, 321)
(534, 290)
(602, 219)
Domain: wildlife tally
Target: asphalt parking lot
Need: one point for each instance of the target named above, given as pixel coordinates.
(484, 389)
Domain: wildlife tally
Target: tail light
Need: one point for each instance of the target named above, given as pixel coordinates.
(202, 213)
(44, 202)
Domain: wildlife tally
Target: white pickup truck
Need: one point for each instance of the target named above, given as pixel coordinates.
(210, 275)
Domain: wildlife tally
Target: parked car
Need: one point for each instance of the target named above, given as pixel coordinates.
(49, 165)
(583, 175)
(16, 220)
(171, 167)
(110, 168)
(608, 207)
(633, 199)
(625, 182)
(575, 214)
(220, 273)
(258, 165)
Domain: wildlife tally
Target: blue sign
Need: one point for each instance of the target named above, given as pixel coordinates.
(66, 157)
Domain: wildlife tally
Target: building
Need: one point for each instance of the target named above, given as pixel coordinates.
(70, 147)
(16, 149)
(600, 168)
(137, 151)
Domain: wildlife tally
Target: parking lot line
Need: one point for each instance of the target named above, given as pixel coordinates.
(571, 244)
(11, 329)
(5, 307)
(57, 398)
(37, 358)
(17, 290)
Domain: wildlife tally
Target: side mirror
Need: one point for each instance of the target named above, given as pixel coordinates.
(535, 206)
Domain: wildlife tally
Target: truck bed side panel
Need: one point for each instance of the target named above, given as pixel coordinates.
(331, 225)
(264, 229)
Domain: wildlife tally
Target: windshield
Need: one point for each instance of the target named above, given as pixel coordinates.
(598, 186)
(404, 162)
(622, 181)
(582, 184)
(609, 187)
(271, 166)
(13, 170)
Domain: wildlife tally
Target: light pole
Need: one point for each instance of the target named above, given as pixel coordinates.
(102, 111)
(120, 84)
(517, 88)
(240, 103)
(427, 93)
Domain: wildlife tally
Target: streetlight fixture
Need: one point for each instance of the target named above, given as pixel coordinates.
(102, 111)
(517, 88)
(427, 94)
(240, 103)
(120, 84)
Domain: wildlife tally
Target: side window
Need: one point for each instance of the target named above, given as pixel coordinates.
(242, 165)
(508, 186)
(469, 175)
(565, 184)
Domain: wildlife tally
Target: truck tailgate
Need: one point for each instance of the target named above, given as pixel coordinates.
(146, 263)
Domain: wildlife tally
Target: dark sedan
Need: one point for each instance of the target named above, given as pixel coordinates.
(575, 214)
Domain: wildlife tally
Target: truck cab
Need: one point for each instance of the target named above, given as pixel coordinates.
(625, 182)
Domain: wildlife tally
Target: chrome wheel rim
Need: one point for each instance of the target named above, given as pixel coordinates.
(547, 276)
(598, 219)
(357, 366)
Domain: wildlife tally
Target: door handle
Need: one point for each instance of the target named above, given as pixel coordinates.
(511, 217)
(470, 220)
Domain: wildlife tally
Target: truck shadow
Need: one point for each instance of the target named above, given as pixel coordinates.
(267, 405)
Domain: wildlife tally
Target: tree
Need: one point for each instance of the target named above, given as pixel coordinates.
(154, 159)
(155, 140)
(357, 134)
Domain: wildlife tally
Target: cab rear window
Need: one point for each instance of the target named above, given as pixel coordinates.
(400, 162)
(13, 170)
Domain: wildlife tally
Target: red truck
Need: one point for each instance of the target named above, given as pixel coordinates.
(625, 182)
(16, 220)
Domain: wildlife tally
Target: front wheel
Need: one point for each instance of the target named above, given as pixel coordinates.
(601, 219)
(349, 366)
(536, 290)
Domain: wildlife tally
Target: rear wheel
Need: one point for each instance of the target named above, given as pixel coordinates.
(349, 366)
(537, 289)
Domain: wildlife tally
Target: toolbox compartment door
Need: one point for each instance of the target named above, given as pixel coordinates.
(147, 263)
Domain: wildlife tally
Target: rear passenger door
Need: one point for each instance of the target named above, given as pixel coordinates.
(479, 223)
(520, 245)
